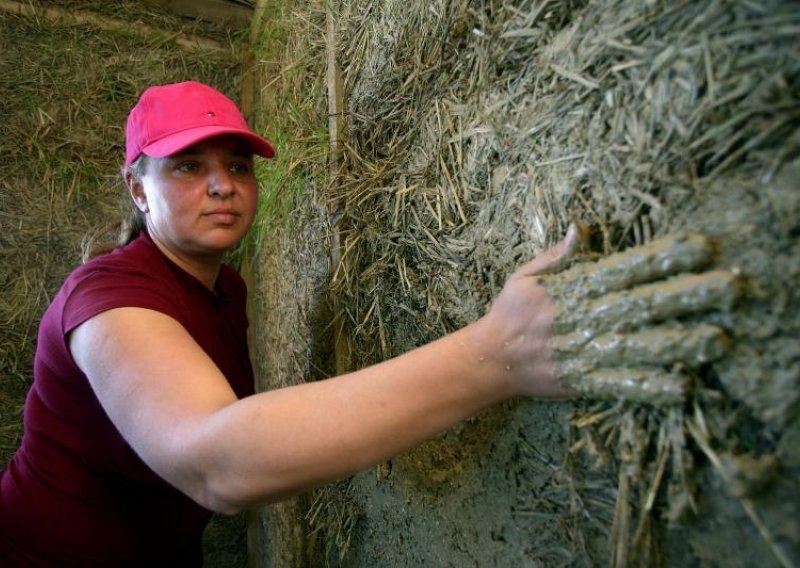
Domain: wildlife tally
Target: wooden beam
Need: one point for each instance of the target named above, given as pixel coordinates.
(220, 11)
(71, 17)
(255, 21)
(256, 548)
(343, 351)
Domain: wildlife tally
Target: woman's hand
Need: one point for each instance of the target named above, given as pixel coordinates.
(623, 327)
(513, 340)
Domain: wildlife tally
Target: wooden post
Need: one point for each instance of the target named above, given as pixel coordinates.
(249, 103)
(342, 349)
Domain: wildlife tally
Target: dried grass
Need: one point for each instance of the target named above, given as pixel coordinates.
(65, 90)
(66, 86)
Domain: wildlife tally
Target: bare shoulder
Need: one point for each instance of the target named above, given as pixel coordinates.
(154, 381)
(124, 336)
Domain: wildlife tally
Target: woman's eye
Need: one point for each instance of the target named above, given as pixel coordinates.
(240, 168)
(187, 167)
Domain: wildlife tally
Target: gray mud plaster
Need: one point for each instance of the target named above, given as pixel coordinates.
(508, 503)
(507, 506)
(757, 230)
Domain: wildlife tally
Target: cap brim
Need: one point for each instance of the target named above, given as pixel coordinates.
(178, 141)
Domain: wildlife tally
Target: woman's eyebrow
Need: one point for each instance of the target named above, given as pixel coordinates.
(187, 153)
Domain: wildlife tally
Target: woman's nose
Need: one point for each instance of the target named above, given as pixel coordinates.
(220, 183)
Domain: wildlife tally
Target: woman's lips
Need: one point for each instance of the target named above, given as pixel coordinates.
(223, 216)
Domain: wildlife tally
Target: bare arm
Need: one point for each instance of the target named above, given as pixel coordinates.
(174, 407)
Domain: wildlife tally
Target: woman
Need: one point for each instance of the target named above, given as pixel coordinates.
(141, 419)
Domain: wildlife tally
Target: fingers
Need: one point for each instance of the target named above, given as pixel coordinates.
(555, 259)
(612, 336)
(646, 385)
(626, 366)
(631, 366)
(660, 345)
(650, 303)
(684, 252)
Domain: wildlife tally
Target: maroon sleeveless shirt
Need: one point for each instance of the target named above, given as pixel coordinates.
(75, 493)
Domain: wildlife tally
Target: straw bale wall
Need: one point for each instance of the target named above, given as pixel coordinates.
(473, 132)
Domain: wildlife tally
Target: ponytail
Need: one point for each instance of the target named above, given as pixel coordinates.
(118, 232)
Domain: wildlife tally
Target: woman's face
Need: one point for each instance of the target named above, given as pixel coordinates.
(201, 201)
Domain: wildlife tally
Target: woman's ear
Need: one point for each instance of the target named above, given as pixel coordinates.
(134, 184)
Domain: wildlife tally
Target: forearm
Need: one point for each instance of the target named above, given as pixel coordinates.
(288, 440)
(181, 416)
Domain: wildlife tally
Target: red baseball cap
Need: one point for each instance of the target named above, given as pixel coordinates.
(169, 118)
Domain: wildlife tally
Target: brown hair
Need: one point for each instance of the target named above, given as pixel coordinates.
(121, 231)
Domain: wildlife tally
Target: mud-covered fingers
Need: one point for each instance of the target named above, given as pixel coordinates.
(661, 345)
(631, 366)
(611, 340)
(674, 254)
(645, 385)
(649, 303)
